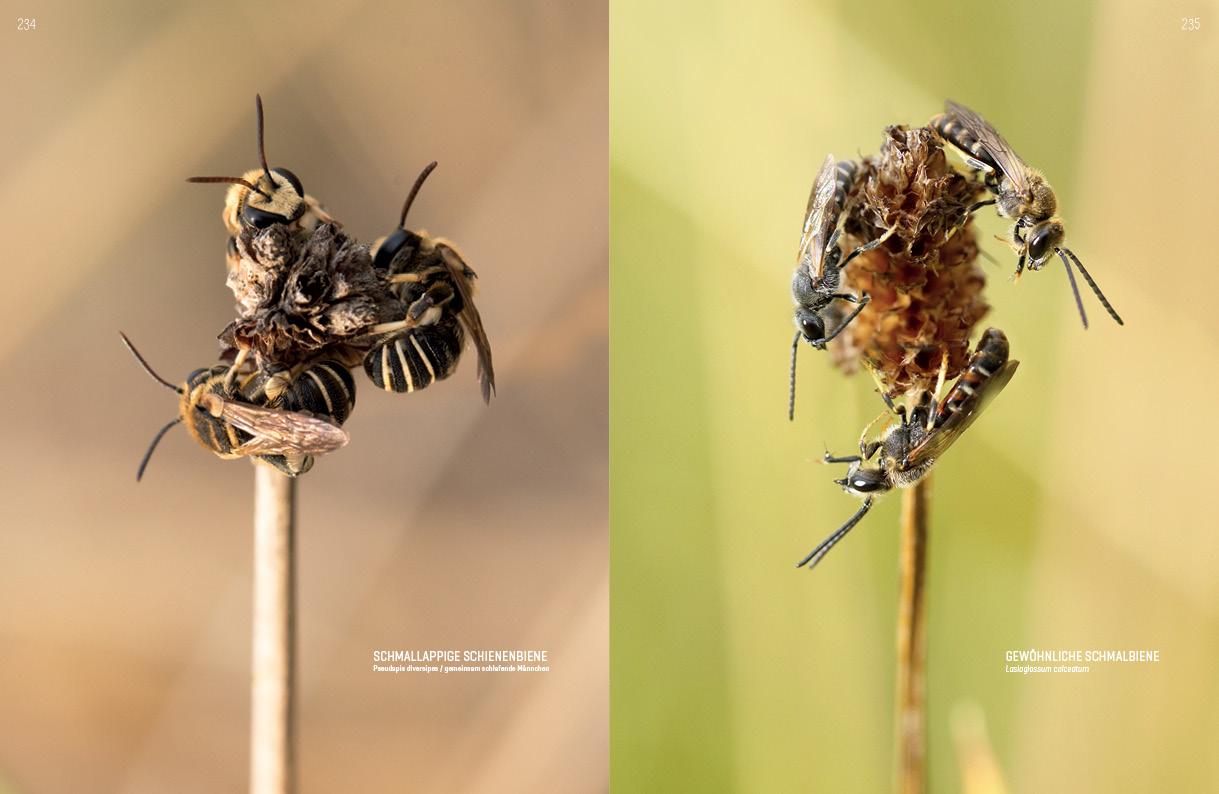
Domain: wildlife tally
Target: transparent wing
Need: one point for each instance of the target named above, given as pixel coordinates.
(282, 432)
(995, 144)
(943, 436)
(470, 317)
(819, 220)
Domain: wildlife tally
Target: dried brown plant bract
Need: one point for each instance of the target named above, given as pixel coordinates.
(301, 296)
(924, 281)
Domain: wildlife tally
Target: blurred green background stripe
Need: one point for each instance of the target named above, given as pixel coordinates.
(668, 698)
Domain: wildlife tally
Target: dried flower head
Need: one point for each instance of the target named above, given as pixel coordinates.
(924, 281)
(304, 295)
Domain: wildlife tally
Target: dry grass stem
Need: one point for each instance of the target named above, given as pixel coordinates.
(911, 642)
(273, 699)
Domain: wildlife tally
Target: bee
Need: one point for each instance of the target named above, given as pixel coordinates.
(437, 286)
(260, 198)
(910, 448)
(819, 262)
(228, 424)
(1021, 193)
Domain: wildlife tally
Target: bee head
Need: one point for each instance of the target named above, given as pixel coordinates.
(260, 197)
(1043, 238)
(386, 249)
(864, 482)
(810, 325)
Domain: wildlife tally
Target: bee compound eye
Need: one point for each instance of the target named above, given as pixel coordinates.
(389, 248)
(866, 481)
(260, 219)
(292, 180)
(1039, 243)
(812, 328)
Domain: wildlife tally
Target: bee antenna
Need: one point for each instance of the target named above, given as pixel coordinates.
(1100, 295)
(823, 548)
(1074, 288)
(410, 199)
(232, 180)
(262, 152)
(146, 367)
(791, 398)
(139, 474)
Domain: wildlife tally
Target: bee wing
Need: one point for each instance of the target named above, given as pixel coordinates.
(470, 318)
(943, 437)
(819, 220)
(995, 144)
(282, 432)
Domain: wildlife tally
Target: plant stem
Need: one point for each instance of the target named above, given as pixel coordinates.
(911, 642)
(273, 708)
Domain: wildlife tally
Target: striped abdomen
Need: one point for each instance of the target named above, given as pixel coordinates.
(416, 358)
(844, 180)
(988, 358)
(956, 134)
(325, 388)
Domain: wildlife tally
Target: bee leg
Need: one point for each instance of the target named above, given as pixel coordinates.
(828, 458)
(824, 546)
(434, 298)
(231, 375)
(1019, 268)
(417, 312)
(933, 408)
(863, 301)
(965, 216)
(863, 249)
(417, 276)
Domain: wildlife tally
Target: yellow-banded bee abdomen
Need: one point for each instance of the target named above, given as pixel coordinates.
(324, 388)
(417, 357)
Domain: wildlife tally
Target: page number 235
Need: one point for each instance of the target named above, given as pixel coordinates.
(1191, 23)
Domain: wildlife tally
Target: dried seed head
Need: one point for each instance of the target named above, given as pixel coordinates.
(305, 296)
(924, 281)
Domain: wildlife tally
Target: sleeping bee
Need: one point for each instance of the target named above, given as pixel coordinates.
(819, 262)
(437, 287)
(228, 424)
(1021, 194)
(260, 198)
(909, 449)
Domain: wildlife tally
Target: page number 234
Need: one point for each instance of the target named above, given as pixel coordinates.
(26, 24)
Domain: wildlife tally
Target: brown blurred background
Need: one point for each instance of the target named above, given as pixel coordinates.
(125, 608)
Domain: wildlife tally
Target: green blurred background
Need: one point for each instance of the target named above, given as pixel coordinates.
(1077, 514)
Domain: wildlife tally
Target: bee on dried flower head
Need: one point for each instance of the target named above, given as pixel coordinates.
(1021, 193)
(924, 281)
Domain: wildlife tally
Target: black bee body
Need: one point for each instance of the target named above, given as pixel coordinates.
(819, 262)
(430, 277)
(416, 358)
(909, 450)
(324, 388)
